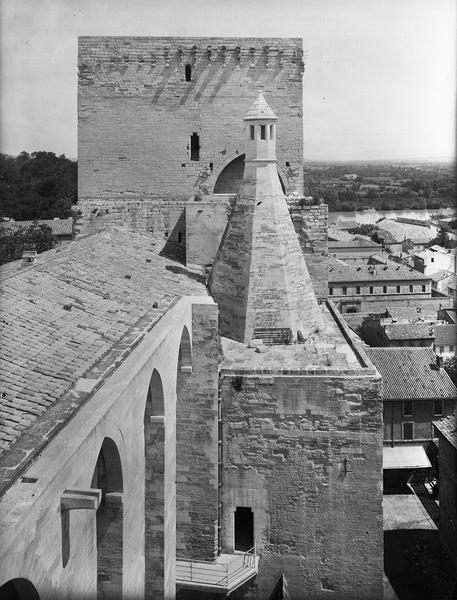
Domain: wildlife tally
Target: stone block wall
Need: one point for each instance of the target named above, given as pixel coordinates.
(137, 112)
(206, 218)
(305, 453)
(448, 496)
(311, 225)
(197, 442)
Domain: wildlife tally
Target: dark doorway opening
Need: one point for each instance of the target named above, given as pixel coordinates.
(244, 528)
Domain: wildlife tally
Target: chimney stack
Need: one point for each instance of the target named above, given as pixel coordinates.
(28, 257)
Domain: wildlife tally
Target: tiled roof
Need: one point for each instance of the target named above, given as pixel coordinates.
(340, 272)
(412, 314)
(406, 231)
(409, 331)
(411, 373)
(63, 314)
(58, 226)
(446, 335)
(356, 241)
(448, 428)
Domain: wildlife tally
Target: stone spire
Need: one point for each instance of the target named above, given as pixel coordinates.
(259, 277)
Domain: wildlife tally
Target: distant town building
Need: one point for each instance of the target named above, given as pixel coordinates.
(402, 231)
(435, 259)
(357, 287)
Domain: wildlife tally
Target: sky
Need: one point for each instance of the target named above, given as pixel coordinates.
(379, 80)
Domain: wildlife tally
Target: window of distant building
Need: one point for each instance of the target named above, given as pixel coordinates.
(407, 408)
(262, 132)
(384, 289)
(411, 288)
(441, 349)
(438, 406)
(357, 290)
(330, 291)
(345, 291)
(451, 348)
(398, 289)
(371, 289)
(423, 288)
(251, 127)
(194, 147)
(188, 71)
(432, 259)
(408, 431)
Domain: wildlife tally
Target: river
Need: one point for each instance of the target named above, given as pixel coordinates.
(370, 216)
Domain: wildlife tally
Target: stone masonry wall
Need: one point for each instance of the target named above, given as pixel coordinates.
(305, 453)
(137, 112)
(197, 442)
(448, 496)
(311, 225)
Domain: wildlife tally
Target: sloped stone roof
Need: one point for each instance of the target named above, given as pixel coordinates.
(260, 110)
(448, 428)
(62, 315)
(406, 231)
(409, 331)
(411, 373)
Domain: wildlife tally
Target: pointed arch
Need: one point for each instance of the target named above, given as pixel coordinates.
(107, 477)
(18, 589)
(229, 179)
(154, 487)
(185, 352)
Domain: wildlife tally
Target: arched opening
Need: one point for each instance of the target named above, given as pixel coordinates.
(185, 353)
(154, 488)
(230, 177)
(18, 589)
(188, 72)
(108, 478)
(351, 310)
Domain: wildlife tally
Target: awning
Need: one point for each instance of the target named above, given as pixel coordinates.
(405, 457)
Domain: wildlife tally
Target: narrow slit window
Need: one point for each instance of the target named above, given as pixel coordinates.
(194, 147)
(251, 127)
(262, 132)
(188, 70)
(271, 132)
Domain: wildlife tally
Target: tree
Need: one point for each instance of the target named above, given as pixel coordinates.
(450, 366)
(14, 242)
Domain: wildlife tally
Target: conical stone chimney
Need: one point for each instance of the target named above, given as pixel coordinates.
(259, 278)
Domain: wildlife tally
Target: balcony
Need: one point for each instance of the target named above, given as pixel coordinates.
(224, 575)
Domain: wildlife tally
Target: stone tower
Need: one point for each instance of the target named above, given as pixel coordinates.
(158, 121)
(259, 278)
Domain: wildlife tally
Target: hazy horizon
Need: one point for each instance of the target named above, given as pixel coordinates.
(379, 80)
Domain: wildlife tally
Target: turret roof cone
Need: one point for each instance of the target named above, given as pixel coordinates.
(259, 277)
(260, 110)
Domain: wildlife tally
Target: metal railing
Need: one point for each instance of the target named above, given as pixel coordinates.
(216, 574)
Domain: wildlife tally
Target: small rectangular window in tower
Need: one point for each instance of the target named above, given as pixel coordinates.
(262, 132)
(271, 132)
(371, 289)
(411, 288)
(398, 289)
(345, 291)
(251, 127)
(384, 289)
(423, 288)
(357, 290)
(188, 72)
(194, 147)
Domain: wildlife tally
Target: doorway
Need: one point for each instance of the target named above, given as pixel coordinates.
(244, 528)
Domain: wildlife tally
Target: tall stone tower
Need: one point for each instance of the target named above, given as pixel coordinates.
(259, 278)
(158, 121)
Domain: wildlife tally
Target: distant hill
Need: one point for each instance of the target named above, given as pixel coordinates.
(39, 185)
